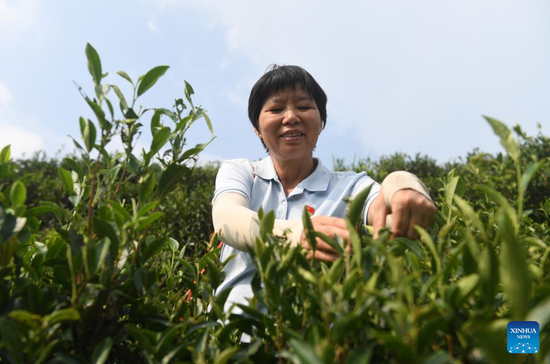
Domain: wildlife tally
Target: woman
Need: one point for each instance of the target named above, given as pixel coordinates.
(287, 109)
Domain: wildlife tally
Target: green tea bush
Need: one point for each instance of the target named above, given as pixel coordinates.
(187, 213)
(103, 281)
(108, 257)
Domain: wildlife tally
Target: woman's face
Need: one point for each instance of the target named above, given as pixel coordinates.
(290, 124)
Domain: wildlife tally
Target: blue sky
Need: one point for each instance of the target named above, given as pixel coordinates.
(401, 76)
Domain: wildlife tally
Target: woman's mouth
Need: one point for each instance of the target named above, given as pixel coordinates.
(294, 134)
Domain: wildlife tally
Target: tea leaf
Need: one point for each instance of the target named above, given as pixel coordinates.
(208, 123)
(25, 317)
(188, 92)
(89, 133)
(67, 314)
(155, 122)
(307, 275)
(174, 245)
(214, 274)
(109, 105)
(529, 172)
(429, 331)
(491, 339)
(125, 76)
(94, 64)
(146, 221)
(159, 140)
(167, 338)
(5, 154)
(226, 355)
(193, 151)
(120, 96)
(410, 245)
(513, 268)
(18, 193)
(355, 243)
(67, 179)
(168, 179)
(309, 231)
(40, 210)
(168, 113)
(150, 78)
(465, 288)
(76, 167)
(450, 186)
(330, 241)
(506, 137)
(140, 336)
(119, 210)
(77, 144)
(147, 207)
(103, 229)
(304, 352)
(147, 186)
(44, 354)
(360, 355)
(100, 115)
(357, 205)
(427, 239)
(471, 216)
(488, 271)
(102, 351)
(266, 224)
(152, 249)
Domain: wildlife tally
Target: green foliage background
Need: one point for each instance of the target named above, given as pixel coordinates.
(110, 257)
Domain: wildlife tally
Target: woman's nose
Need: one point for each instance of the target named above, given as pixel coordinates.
(291, 117)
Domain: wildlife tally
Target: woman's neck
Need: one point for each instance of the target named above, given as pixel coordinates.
(293, 172)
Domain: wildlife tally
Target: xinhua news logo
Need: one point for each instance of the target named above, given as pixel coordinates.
(523, 337)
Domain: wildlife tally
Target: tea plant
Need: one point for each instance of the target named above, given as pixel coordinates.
(105, 284)
(445, 298)
(116, 266)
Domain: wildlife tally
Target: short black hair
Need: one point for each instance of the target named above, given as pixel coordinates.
(278, 78)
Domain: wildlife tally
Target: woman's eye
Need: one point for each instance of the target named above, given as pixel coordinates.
(276, 109)
(307, 107)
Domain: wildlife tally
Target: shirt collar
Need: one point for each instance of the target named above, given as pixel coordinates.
(265, 169)
(317, 181)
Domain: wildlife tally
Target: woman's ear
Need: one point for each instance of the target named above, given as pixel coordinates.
(258, 133)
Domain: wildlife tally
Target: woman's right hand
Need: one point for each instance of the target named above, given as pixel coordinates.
(330, 226)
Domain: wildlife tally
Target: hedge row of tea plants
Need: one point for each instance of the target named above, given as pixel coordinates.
(108, 257)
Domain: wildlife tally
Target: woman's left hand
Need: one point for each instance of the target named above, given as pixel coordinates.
(409, 208)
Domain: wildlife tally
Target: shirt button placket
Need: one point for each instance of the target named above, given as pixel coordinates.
(283, 209)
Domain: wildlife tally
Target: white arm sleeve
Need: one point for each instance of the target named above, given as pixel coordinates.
(401, 180)
(237, 225)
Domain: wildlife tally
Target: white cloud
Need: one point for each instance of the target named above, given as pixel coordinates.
(5, 96)
(23, 142)
(16, 16)
(152, 26)
(13, 128)
(402, 75)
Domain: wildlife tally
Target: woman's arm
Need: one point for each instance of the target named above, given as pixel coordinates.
(237, 225)
(406, 198)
